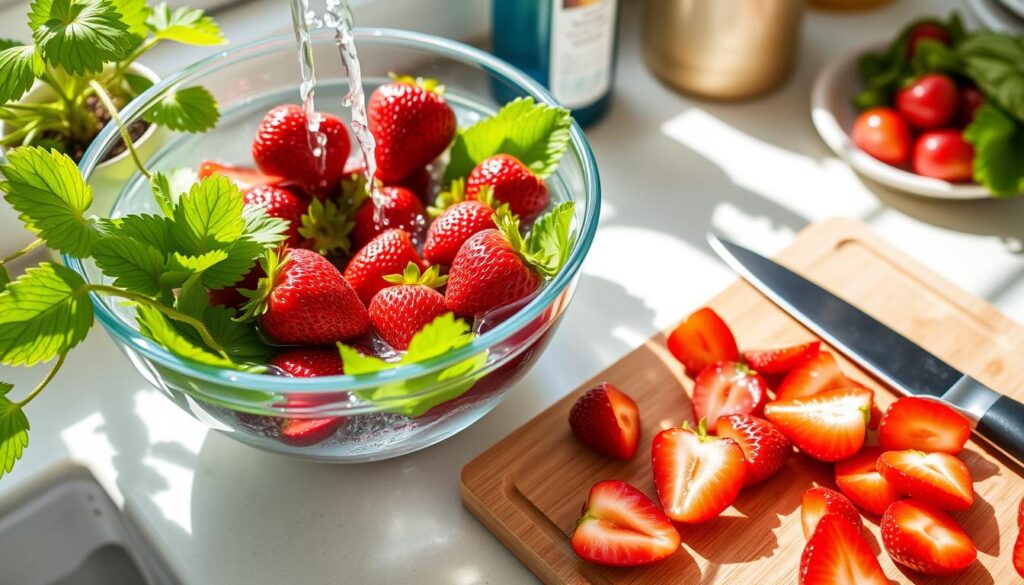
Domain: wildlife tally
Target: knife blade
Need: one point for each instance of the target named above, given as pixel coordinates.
(892, 358)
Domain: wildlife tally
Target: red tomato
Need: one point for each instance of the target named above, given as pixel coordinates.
(883, 134)
(970, 100)
(928, 102)
(927, 30)
(944, 154)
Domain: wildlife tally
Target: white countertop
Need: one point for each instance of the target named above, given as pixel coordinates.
(672, 167)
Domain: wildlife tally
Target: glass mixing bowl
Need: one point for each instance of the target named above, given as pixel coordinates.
(366, 417)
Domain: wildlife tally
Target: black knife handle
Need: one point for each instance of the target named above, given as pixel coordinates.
(1003, 425)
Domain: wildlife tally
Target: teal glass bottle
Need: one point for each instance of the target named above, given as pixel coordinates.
(568, 45)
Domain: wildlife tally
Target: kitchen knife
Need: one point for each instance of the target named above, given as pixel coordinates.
(892, 358)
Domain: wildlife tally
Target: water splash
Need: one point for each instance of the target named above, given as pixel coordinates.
(302, 18)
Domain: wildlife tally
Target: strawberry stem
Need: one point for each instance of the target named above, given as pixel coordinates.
(108, 103)
(45, 381)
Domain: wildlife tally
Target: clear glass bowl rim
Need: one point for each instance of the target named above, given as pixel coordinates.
(363, 36)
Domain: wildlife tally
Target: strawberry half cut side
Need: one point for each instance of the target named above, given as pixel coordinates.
(697, 475)
(830, 426)
(818, 502)
(725, 388)
(701, 340)
(819, 372)
(923, 424)
(622, 527)
(780, 361)
(922, 537)
(937, 478)
(606, 420)
(837, 554)
(859, 480)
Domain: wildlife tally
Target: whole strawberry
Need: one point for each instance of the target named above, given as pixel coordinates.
(282, 148)
(456, 223)
(497, 267)
(304, 300)
(280, 203)
(412, 125)
(399, 208)
(388, 253)
(398, 312)
(513, 183)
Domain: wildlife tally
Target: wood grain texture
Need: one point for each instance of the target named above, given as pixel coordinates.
(528, 489)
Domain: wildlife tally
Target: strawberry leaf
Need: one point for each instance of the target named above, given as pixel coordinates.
(551, 239)
(168, 187)
(134, 14)
(185, 25)
(134, 265)
(209, 217)
(192, 109)
(193, 299)
(80, 35)
(43, 313)
(263, 229)
(19, 66)
(152, 230)
(155, 326)
(13, 431)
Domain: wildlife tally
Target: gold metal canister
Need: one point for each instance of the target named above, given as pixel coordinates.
(724, 49)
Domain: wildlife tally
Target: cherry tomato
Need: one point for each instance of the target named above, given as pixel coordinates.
(970, 100)
(925, 30)
(928, 102)
(944, 154)
(883, 134)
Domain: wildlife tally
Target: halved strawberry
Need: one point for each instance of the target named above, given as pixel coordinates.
(765, 449)
(780, 361)
(702, 340)
(1018, 545)
(308, 431)
(859, 480)
(924, 538)
(697, 475)
(244, 177)
(622, 527)
(829, 426)
(819, 501)
(937, 478)
(923, 424)
(837, 554)
(817, 373)
(607, 421)
(725, 388)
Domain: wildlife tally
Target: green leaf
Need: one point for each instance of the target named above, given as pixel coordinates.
(152, 230)
(192, 109)
(209, 217)
(43, 313)
(551, 238)
(80, 35)
(133, 264)
(137, 83)
(998, 142)
(19, 67)
(536, 134)
(8, 43)
(185, 25)
(192, 300)
(13, 431)
(134, 14)
(241, 341)
(995, 62)
(168, 187)
(47, 189)
(5, 278)
(262, 228)
(155, 326)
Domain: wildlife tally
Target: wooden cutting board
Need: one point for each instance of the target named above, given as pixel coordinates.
(529, 488)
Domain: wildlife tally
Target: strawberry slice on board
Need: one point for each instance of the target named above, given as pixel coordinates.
(939, 479)
(765, 449)
(622, 527)
(244, 178)
(837, 554)
(859, 480)
(829, 426)
(725, 388)
(697, 475)
(818, 502)
(922, 537)
(1018, 545)
(702, 340)
(780, 361)
(606, 420)
(819, 372)
(923, 424)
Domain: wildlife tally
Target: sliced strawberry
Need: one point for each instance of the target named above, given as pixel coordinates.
(1020, 515)
(924, 538)
(939, 479)
(829, 426)
(859, 480)
(925, 425)
(607, 421)
(243, 177)
(765, 449)
(697, 475)
(701, 340)
(819, 501)
(622, 527)
(725, 388)
(817, 373)
(309, 431)
(780, 361)
(837, 554)
(1018, 545)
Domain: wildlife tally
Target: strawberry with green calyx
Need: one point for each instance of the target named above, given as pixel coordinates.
(512, 182)
(281, 203)
(388, 253)
(497, 267)
(456, 221)
(325, 227)
(398, 312)
(412, 125)
(304, 300)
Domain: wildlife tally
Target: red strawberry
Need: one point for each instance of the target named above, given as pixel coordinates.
(697, 475)
(279, 203)
(819, 501)
(765, 449)
(937, 478)
(829, 426)
(818, 373)
(230, 296)
(309, 362)
(497, 267)
(922, 537)
(607, 421)
(412, 125)
(837, 554)
(398, 312)
(399, 208)
(304, 300)
(419, 182)
(859, 480)
(780, 361)
(1018, 545)
(303, 432)
(388, 253)
(725, 388)
(244, 178)
(701, 340)
(282, 148)
(621, 527)
(923, 424)
(457, 220)
(511, 183)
